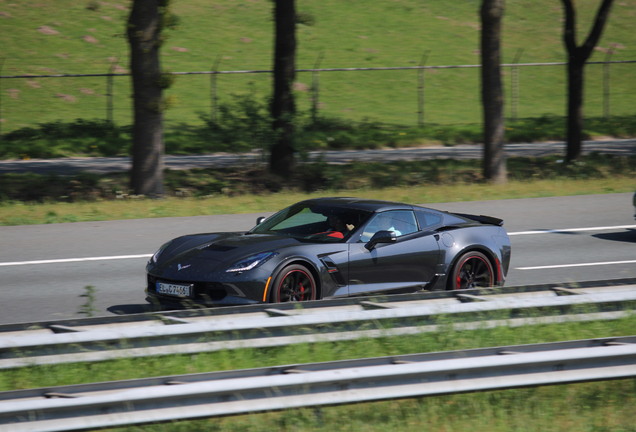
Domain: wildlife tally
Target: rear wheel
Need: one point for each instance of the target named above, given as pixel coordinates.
(472, 270)
(294, 283)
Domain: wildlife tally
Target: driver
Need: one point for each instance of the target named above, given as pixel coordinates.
(337, 227)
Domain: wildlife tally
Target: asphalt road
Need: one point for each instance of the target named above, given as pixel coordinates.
(44, 269)
(102, 165)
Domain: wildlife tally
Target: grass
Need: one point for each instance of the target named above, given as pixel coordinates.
(229, 35)
(591, 406)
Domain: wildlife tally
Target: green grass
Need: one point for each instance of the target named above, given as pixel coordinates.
(592, 406)
(237, 35)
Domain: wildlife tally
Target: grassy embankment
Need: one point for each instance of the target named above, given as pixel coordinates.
(89, 37)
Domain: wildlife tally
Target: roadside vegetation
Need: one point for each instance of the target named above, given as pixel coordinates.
(246, 127)
(36, 199)
(595, 407)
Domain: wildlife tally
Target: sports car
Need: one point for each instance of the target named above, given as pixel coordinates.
(332, 247)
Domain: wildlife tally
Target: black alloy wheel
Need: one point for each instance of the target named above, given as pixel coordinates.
(473, 270)
(294, 283)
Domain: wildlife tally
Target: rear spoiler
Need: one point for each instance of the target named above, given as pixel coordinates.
(487, 220)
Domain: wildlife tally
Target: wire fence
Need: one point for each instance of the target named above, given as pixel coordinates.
(407, 95)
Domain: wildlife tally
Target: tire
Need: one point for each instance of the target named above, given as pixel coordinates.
(472, 270)
(294, 283)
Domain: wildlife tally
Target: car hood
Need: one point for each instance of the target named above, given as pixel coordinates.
(214, 252)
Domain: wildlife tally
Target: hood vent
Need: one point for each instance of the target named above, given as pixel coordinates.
(219, 248)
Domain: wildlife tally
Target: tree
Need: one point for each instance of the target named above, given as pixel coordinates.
(577, 58)
(145, 24)
(283, 108)
(494, 162)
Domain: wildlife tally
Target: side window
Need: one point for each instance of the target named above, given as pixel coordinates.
(427, 219)
(401, 222)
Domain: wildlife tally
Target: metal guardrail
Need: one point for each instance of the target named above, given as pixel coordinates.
(282, 324)
(193, 313)
(119, 403)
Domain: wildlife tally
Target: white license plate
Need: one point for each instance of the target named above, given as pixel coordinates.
(176, 290)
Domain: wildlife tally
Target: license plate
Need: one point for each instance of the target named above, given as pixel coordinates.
(176, 290)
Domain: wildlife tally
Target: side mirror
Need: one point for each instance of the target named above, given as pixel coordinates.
(260, 219)
(381, 237)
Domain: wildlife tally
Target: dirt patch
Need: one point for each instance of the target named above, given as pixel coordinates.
(14, 93)
(90, 39)
(66, 97)
(49, 31)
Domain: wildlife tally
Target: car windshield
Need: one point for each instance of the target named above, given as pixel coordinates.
(314, 222)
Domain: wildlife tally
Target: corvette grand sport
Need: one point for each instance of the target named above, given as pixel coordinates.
(332, 247)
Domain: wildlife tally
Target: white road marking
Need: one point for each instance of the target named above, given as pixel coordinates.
(576, 265)
(568, 230)
(70, 260)
(554, 231)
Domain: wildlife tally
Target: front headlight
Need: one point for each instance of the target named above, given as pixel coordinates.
(251, 262)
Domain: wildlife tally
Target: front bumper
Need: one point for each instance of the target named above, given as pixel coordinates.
(239, 291)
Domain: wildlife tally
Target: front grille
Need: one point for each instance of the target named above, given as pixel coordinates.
(209, 291)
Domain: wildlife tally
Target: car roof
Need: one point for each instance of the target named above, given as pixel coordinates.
(369, 205)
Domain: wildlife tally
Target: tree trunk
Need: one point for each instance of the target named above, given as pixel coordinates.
(575, 110)
(577, 58)
(283, 106)
(494, 162)
(144, 30)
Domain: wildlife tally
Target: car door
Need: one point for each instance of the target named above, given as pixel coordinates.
(411, 261)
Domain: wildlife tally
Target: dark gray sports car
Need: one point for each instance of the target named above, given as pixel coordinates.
(332, 247)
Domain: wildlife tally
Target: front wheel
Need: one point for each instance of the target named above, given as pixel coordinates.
(294, 283)
(472, 270)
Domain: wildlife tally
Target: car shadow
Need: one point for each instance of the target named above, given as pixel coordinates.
(129, 309)
(628, 236)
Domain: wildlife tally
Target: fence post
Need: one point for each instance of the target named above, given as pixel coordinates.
(420, 89)
(315, 88)
(109, 91)
(606, 83)
(514, 90)
(214, 99)
(1, 111)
